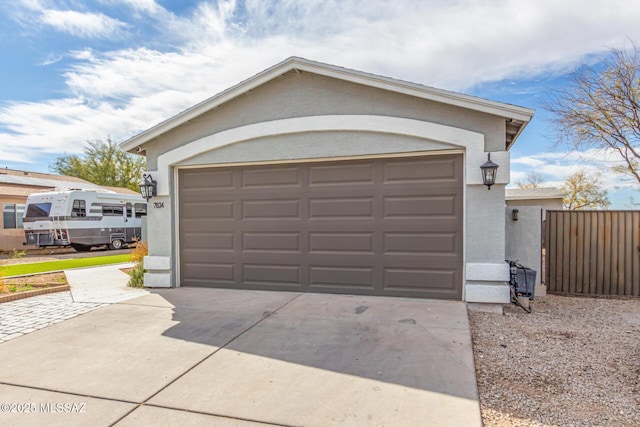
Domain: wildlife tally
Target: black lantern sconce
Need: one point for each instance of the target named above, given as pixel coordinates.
(489, 171)
(148, 186)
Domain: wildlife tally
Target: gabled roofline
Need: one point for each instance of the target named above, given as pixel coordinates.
(511, 113)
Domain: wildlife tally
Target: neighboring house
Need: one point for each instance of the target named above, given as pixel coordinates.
(16, 186)
(546, 198)
(315, 178)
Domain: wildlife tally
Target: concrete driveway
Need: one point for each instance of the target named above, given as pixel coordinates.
(243, 358)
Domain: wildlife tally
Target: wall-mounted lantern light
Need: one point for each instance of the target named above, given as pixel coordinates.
(489, 171)
(148, 186)
(514, 214)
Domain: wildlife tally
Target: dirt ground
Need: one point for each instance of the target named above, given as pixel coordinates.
(27, 283)
(571, 362)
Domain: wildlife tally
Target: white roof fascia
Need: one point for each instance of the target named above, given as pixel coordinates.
(555, 196)
(535, 193)
(296, 63)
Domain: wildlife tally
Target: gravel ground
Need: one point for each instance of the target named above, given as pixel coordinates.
(572, 362)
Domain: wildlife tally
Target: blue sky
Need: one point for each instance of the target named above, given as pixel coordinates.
(75, 70)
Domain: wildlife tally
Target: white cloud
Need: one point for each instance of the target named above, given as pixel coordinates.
(34, 14)
(147, 6)
(52, 58)
(86, 25)
(557, 166)
(213, 45)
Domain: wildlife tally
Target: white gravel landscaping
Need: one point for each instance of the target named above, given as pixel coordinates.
(571, 362)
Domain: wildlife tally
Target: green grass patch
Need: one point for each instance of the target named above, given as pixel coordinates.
(65, 264)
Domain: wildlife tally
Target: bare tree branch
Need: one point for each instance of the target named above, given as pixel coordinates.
(600, 109)
(584, 191)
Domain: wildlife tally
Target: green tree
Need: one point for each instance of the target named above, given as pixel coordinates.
(103, 163)
(584, 191)
(600, 109)
(533, 180)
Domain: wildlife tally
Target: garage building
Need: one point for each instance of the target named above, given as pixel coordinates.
(313, 178)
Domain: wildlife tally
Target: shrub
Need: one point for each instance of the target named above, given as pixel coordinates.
(136, 279)
(141, 250)
(18, 254)
(3, 285)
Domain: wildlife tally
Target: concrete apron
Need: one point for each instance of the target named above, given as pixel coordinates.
(226, 357)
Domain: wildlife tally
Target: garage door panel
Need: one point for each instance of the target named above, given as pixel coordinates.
(419, 225)
(206, 225)
(414, 279)
(344, 259)
(274, 177)
(271, 209)
(334, 175)
(209, 241)
(403, 171)
(271, 274)
(412, 242)
(332, 276)
(342, 207)
(202, 256)
(199, 180)
(271, 242)
(203, 210)
(424, 260)
(368, 227)
(419, 206)
(211, 272)
(346, 242)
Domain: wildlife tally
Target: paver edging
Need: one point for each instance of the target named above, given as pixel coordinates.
(33, 293)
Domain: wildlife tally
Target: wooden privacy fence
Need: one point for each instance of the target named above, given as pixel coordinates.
(593, 252)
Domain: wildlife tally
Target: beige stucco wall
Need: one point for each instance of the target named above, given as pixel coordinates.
(305, 94)
(524, 237)
(314, 145)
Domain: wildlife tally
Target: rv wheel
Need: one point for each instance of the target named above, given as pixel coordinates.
(116, 244)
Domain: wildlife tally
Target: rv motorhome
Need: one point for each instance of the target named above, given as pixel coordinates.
(83, 219)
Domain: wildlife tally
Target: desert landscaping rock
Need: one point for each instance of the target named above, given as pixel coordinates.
(572, 362)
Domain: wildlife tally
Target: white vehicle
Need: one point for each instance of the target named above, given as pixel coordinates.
(83, 219)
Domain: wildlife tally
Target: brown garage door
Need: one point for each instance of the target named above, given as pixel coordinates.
(388, 227)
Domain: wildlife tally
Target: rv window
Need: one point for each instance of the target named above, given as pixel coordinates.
(112, 210)
(79, 209)
(129, 210)
(141, 209)
(38, 210)
(12, 215)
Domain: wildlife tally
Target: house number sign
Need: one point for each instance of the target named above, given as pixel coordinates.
(158, 205)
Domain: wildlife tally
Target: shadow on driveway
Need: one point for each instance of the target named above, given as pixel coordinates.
(252, 356)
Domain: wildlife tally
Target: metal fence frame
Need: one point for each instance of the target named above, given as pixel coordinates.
(592, 252)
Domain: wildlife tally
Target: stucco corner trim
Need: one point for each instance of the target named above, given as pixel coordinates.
(157, 263)
(157, 280)
(487, 293)
(485, 272)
